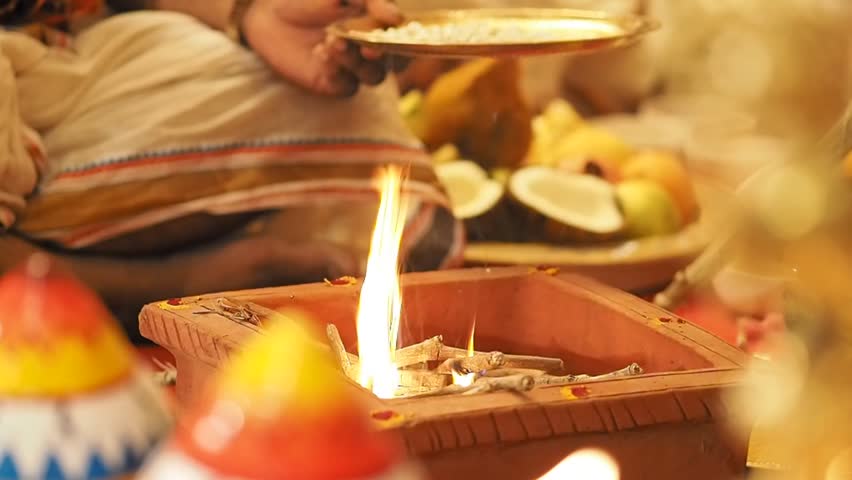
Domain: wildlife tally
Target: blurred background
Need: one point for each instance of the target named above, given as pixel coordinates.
(753, 94)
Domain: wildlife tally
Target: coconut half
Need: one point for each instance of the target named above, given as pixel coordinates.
(472, 193)
(581, 204)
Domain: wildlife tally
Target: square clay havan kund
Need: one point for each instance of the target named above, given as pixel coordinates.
(668, 423)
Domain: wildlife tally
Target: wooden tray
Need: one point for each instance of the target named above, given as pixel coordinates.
(666, 424)
(636, 266)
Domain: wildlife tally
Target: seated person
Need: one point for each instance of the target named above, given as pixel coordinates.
(158, 157)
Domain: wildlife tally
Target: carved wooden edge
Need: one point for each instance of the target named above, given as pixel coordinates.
(541, 421)
(174, 330)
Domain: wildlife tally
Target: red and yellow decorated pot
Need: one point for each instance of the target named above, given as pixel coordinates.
(74, 404)
(281, 411)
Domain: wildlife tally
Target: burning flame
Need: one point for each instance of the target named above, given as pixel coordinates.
(380, 305)
(588, 464)
(467, 379)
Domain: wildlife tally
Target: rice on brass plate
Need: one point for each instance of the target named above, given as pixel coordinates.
(498, 32)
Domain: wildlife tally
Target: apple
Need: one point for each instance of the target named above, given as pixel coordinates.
(648, 209)
(667, 170)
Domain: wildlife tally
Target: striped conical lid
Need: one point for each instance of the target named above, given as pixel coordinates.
(56, 337)
(282, 410)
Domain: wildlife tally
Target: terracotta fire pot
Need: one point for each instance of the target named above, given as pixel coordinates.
(666, 424)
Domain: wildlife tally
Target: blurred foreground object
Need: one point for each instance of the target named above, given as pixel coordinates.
(281, 410)
(760, 55)
(779, 203)
(798, 226)
(73, 402)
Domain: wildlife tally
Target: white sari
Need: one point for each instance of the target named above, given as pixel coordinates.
(151, 116)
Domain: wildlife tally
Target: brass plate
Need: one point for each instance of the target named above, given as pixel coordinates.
(572, 31)
(637, 265)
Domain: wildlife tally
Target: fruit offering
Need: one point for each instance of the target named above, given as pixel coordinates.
(577, 183)
(74, 404)
(281, 410)
(562, 138)
(480, 108)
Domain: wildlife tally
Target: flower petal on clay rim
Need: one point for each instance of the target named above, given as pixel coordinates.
(346, 281)
(388, 419)
(575, 393)
(548, 270)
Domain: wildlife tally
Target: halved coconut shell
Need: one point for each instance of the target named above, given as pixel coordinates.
(567, 206)
(477, 199)
(471, 192)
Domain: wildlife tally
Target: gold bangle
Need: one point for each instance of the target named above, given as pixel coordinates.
(235, 22)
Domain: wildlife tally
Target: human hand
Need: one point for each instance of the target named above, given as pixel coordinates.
(291, 37)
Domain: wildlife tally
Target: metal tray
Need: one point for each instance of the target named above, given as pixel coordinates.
(552, 31)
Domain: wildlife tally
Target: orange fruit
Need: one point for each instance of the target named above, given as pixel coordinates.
(847, 166)
(667, 170)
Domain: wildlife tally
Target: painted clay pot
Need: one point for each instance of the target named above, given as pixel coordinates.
(74, 404)
(281, 410)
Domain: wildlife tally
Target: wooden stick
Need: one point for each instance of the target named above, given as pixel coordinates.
(508, 372)
(340, 353)
(513, 383)
(548, 364)
(351, 357)
(348, 362)
(416, 367)
(262, 312)
(234, 312)
(630, 371)
(426, 351)
(517, 383)
(416, 379)
(534, 363)
(481, 362)
(405, 355)
(448, 353)
(702, 270)
(442, 392)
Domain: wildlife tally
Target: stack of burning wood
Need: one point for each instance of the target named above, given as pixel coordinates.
(430, 368)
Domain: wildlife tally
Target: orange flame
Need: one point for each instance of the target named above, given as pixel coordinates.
(467, 379)
(380, 305)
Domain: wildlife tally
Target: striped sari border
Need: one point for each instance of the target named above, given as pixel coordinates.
(263, 198)
(244, 145)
